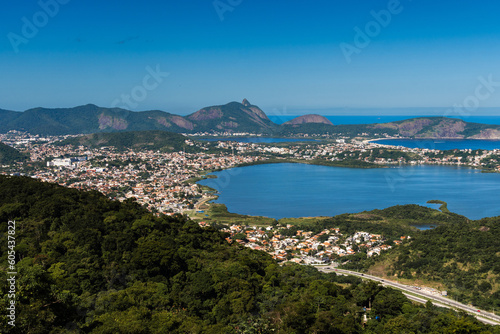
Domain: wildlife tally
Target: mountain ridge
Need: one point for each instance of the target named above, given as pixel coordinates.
(233, 117)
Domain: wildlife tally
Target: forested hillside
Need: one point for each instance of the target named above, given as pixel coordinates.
(464, 257)
(138, 140)
(9, 155)
(91, 265)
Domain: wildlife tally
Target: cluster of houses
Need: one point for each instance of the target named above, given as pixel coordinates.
(306, 247)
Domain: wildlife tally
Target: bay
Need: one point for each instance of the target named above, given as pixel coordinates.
(299, 190)
(443, 144)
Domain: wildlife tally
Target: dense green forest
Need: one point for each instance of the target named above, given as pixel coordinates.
(87, 264)
(9, 155)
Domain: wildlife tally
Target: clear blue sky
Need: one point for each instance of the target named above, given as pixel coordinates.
(278, 54)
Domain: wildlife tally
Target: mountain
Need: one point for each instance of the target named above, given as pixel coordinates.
(440, 128)
(232, 117)
(306, 124)
(90, 119)
(155, 140)
(7, 116)
(9, 155)
(87, 264)
(311, 118)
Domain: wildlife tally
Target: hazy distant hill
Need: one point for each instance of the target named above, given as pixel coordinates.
(9, 155)
(311, 118)
(441, 127)
(138, 140)
(232, 117)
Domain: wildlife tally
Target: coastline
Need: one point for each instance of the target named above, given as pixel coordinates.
(430, 138)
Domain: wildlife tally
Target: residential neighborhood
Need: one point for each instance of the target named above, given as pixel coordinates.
(306, 247)
(164, 182)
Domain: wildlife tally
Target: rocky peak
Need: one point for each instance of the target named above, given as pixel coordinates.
(246, 103)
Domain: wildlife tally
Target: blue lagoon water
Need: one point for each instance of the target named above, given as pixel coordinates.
(425, 227)
(298, 190)
(439, 144)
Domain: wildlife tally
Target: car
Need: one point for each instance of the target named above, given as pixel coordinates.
(362, 274)
(381, 280)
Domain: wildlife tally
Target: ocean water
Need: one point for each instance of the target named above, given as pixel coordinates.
(298, 190)
(447, 144)
(337, 120)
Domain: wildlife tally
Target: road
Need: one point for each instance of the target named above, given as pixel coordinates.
(198, 205)
(421, 297)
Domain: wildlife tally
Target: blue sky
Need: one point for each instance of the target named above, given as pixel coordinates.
(284, 56)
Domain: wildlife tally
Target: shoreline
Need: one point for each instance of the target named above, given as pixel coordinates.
(215, 193)
(424, 139)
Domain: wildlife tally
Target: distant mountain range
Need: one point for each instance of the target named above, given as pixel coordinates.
(233, 117)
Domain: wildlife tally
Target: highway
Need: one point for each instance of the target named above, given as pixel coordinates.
(416, 295)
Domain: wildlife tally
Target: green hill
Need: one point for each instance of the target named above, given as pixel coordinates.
(461, 257)
(86, 264)
(91, 119)
(392, 222)
(137, 140)
(9, 155)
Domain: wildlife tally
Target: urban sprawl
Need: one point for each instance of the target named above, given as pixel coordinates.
(165, 182)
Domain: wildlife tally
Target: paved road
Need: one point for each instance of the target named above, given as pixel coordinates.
(422, 297)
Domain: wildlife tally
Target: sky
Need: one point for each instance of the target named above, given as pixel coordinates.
(286, 56)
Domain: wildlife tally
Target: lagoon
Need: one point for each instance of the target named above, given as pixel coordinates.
(299, 190)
